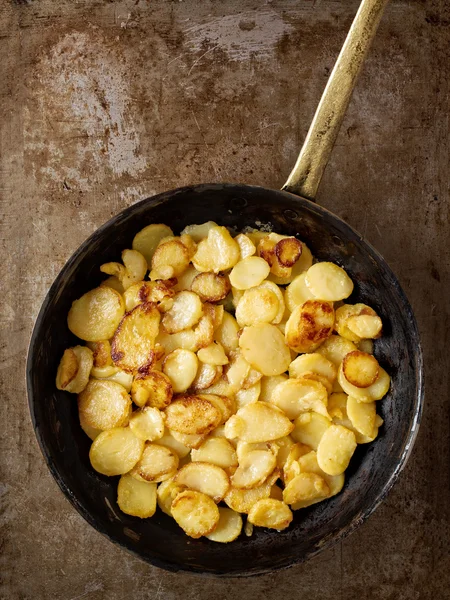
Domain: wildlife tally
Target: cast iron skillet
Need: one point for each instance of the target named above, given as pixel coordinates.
(373, 469)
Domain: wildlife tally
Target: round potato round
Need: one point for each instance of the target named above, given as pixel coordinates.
(154, 389)
(228, 528)
(147, 424)
(115, 451)
(195, 513)
(181, 367)
(104, 405)
(249, 272)
(96, 315)
(147, 240)
(327, 281)
(257, 305)
(270, 513)
(136, 498)
(157, 463)
(360, 369)
(211, 287)
(74, 369)
(263, 346)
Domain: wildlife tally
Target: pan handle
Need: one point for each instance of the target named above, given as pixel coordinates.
(305, 177)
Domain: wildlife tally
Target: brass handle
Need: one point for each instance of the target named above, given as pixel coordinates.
(305, 178)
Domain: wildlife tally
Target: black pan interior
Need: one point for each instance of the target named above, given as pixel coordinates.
(373, 469)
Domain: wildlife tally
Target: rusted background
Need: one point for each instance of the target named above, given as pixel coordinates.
(103, 103)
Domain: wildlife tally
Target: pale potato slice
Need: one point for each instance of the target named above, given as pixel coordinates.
(276, 492)
(215, 312)
(147, 240)
(211, 287)
(243, 448)
(237, 371)
(228, 528)
(104, 372)
(308, 464)
(147, 424)
(114, 269)
(207, 375)
(291, 466)
(186, 311)
(246, 246)
(309, 375)
(225, 404)
(216, 451)
(192, 415)
(236, 295)
(270, 513)
(178, 447)
(120, 377)
(254, 468)
(214, 354)
(157, 463)
(268, 384)
(104, 405)
(365, 326)
(329, 282)
(192, 440)
(296, 396)
(222, 387)
(347, 311)
(309, 429)
(335, 348)
(258, 422)
(172, 253)
(74, 369)
(181, 367)
(204, 477)
(134, 339)
(360, 369)
(269, 285)
(199, 232)
(149, 291)
(153, 389)
(264, 348)
(335, 449)
(306, 488)
(284, 445)
(135, 266)
(249, 272)
(166, 493)
(376, 391)
(302, 265)
(297, 293)
(190, 339)
(101, 352)
(362, 415)
(338, 410)
(136, 498)
(248, 395)
(288, 251)
(314, 362)
(113, 283)
(218, 252)
(96, 315)
(184, 281)
(366, 346)
(195, 513)
(252, 378)
(309, 325)
(227, 333)
(242, 500)
(115, 451)
(257, 305)
(91, 432)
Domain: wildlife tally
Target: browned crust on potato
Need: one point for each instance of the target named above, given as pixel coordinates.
(182, 414)
(218, 283)
(288, 251)
(363, 380)
(69, 366)
(159, 387)
(309, 332)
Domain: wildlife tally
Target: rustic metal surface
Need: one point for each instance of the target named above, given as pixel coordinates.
(103, 103)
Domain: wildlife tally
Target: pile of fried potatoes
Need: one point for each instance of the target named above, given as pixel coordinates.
(233, 380)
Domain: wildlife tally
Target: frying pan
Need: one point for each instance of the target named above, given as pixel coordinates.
(374, 467)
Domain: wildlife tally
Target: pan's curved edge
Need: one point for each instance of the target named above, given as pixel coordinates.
(334, 537)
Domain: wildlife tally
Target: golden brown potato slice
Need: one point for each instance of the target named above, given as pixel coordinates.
(74, 369)
(211, 287)
(314, 362)
(95, 316)
(266, 250)
(204, 477)
(263, 346)
(192, 440)
(214, 354)
(216, 451)
(157, 463)
(192, 415)
(172, 253)
(328, 281)
(115, 451)
(158, 292)
(218, 252)
(288, 251)
(186, 311)
(132, 271)
(296, 396)
(365, 326)
(309, 429)
(269, 285)
(246, 246)
(308, 464)
(166, 493)
(257, 305)
(248, 395)
(199, 232)
(297, 293)
(228, 528)
(181, 367)
(190, 244)
(335, 348)
(215, 312)
(258, 422)
(104, 405)
(225, 404)
(249, 272)
(306, 488)
(170, 442)
(338, 410)
(134, 339)
(147, 424)
(147, 240)
(207, 375)
(270, 513)
(349, 311)
(190, 339)
(302, 265)
(101, 352)
(284, 446)
(136, 498)
(362, 415)
(360, 369)
(227, 333)
(309, 375)
(376, 391)
(309, 325)
(154, 389)
(254, 468)
(291, 466)
(335, 449)
(241, 500)
(195, 513)
(237, 371)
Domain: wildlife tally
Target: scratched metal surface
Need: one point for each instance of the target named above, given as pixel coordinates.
(103, 103)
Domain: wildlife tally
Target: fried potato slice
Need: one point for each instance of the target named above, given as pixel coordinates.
(181, 367)
(153, 389)
(157, 463)
(284, 446)
(225, 404)
(199, 232)
(190, 339)
(91, 432)
(95, 316)
(268, 384)
(291, 466)
(169, 441)
(328, 281)
(310, 375)
(335, 348)
(335, 449)
(101, 352)
(228, 528)
(195, 513)
(269, 285)
(258, 422)
(215, 312)
(134, 338)
(306, 488)
(338, 410)
(264, 348)
(249, 272)
(347, 311)
(218, 252)
(270, 513)
(246, 246)
(147, 424)
(365, 326)
(172, 253)
(309, 325)
(366, 346)
(288, 251)
(147, 240)
(376, 391)
(115, 451)
(135, 267)
(192, 440)
(204, 477)
(74, 369)
(314, 362)
(302, 265)
(158, 292)
(237, 371)
(308, 464)
(113, 283)
(104, 405)
(257, 305)
(362, 415)
(166, 493)
(120, 377)
(300, 395)
(207, 375)
(249, 395)
(227, 333)
(136, 498)
(254, 468)
(184, 281)
(297, 293)
(266, 250)
(186, 311)
(360, 369)
(309, 429)
(241, 500)
(192, 415)
(216, 451)
(214, 354)
(211, 287)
